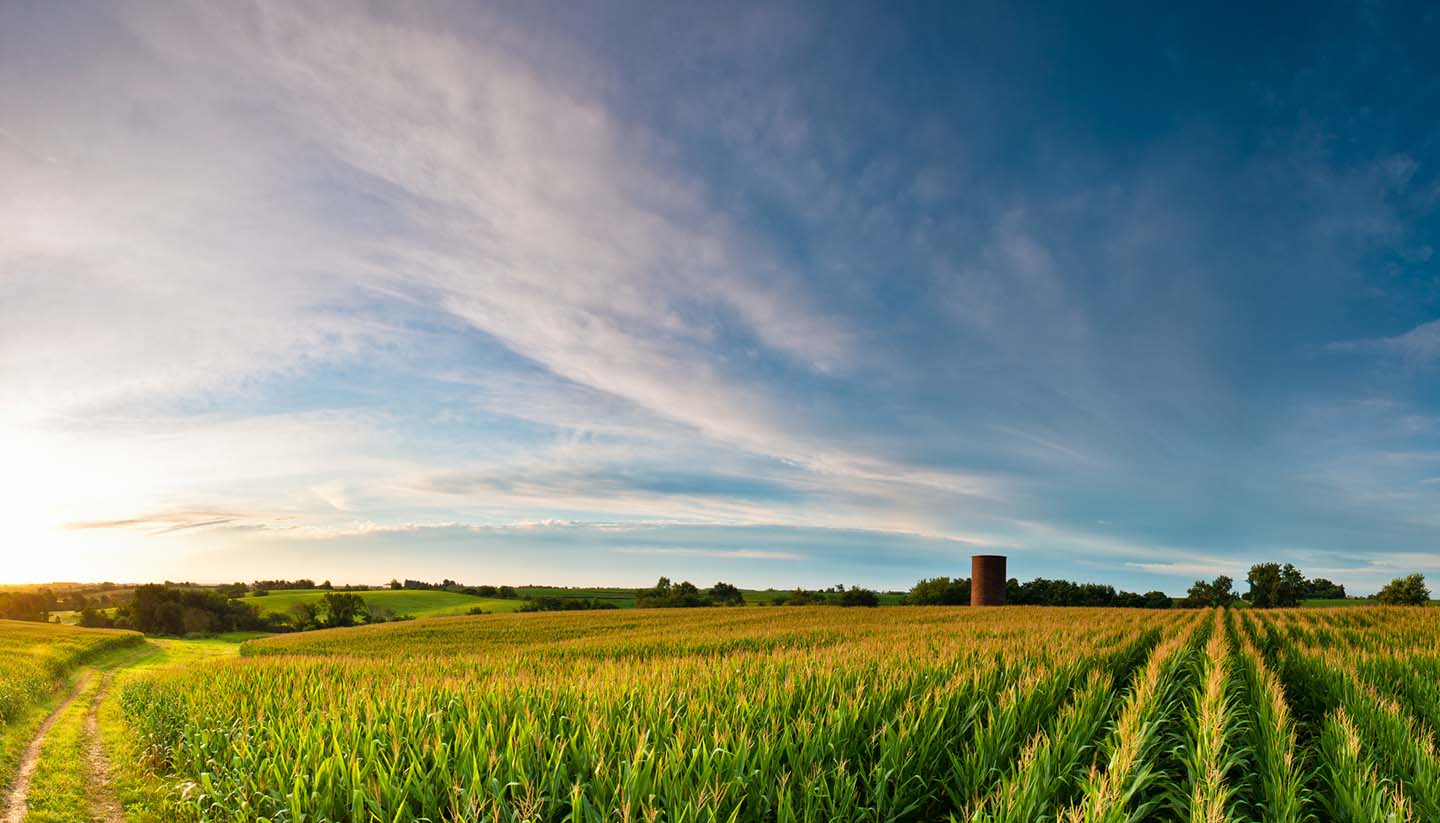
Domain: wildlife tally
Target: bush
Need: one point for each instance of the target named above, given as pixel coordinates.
(1405, 591)
(667, 595)
(940, 591)
(858, 597)
(565, 604)
(800, 597)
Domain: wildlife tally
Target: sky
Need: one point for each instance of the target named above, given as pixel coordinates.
(777, 294)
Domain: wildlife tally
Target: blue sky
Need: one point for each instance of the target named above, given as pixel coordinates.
(776, 294)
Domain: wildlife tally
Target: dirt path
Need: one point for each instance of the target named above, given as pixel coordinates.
(104, 803)
(15, 803)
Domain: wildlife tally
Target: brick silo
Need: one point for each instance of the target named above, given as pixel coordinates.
(987, 580)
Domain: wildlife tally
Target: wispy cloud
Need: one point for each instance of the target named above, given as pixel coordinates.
(435, 271)
(160, 523)
(737, 554)
(1419, 346)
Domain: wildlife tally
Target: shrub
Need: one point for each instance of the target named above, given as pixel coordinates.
(1405, 591)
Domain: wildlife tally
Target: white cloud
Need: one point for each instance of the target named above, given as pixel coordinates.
(737, 554)
(1418, 346)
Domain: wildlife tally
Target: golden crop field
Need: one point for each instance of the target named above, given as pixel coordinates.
(821, 714)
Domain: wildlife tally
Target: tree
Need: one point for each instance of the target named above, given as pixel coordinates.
(940, 591)
(1405, 591)
(800, 597)
(1292, 585)
(667, 595)
(29, 605)
(1157, 600)
(724, 594)
(304, 615)
(93, 618)
(1273, 586)
(340, 609)
(856, 596)
(1321, 589)
(1219, 592)
(156, 609)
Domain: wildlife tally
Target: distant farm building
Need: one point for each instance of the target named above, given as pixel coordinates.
(987, 580)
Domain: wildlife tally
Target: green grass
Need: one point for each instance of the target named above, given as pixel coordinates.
(622, 598)
(16, 735)
(58, 791)
(402, 602)
(1342, 603)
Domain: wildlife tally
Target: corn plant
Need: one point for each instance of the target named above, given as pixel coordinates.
(1116, 788)
(1356, 794)
(1210, 753)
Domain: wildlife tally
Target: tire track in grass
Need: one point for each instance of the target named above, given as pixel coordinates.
(104, 803)
(16, 804)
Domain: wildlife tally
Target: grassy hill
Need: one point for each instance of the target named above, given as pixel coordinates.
(413, 603)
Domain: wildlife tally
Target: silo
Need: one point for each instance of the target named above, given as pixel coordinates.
(987, 580)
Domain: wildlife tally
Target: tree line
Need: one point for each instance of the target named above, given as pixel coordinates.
(1272, 585)
(946, 591)
(666, 594)
(447, 585)
(157, 609)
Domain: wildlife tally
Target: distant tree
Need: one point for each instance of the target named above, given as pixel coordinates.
(1219, 592)
(800, 597)
(197, 620)
(1405, 591)
(1158, 600)
(565, 604)
(724, 594)
(340, 609)
(93, 618)
(156, 609)
(279, 585)
(395, 585)
(1321, 589)
(940, 591)
(856, 596)
(304, 615)
(27, 605)
(375, 613)
(1273, 586)
(667, 595)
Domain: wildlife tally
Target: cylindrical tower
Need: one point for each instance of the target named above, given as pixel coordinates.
(987, 580)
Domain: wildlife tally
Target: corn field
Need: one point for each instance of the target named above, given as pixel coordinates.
(820, 714)
(33, 656)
